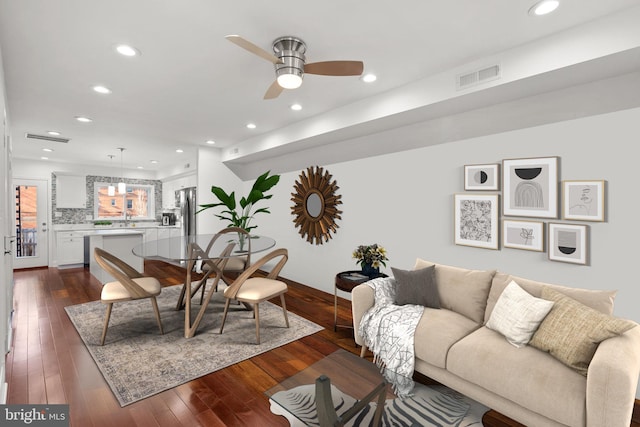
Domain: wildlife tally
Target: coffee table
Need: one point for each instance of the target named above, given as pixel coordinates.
(350, 378)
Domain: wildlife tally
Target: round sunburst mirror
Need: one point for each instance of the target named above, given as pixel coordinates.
(314, 205)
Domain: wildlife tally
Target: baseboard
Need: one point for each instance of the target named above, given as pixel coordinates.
(635, 417)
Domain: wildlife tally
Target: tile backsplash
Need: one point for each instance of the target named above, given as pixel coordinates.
(79, 216)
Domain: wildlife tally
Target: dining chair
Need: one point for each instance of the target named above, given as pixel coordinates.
(225, 263)
(254, 290)
(129, 285)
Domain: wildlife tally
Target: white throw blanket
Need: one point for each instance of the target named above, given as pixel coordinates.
(388, 331)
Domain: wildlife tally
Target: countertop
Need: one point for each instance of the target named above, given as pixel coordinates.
(110, 230)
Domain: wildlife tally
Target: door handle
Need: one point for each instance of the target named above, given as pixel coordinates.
(8, 244)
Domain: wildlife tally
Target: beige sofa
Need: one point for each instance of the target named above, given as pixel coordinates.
(454, 347)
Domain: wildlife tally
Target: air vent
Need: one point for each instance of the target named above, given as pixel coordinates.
(47, 138)
(487, 74)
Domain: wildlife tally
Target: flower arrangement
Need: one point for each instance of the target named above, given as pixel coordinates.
(373, 255)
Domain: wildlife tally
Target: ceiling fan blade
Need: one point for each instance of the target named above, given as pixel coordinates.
(335, 68)
(274, 91)
(256, 50)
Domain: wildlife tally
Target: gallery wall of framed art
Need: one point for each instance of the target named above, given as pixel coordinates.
(530, 195)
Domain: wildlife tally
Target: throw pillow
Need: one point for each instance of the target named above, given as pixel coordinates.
(517, 314)
(572, 331)
(416, 287)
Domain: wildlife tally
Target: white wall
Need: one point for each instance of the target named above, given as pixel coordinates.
(404, 201)
(211, 171)
(6, 229)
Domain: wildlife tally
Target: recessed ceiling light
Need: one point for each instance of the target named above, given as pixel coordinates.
(211, 142)
(543, 7)
(83, 119)
(127, 50)
(140, 167)
(296, 107)
(101, 89)
(48, 150)
(179, 150)
(154, 161)
(369, 78)
(251, 126)
(54, 133)
(44, 158)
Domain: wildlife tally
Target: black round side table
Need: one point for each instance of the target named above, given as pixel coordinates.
(345, 282)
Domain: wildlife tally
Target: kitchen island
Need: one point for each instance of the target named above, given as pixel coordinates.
(118, 242)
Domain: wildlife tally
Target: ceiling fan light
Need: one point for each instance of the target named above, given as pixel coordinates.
(290, 81)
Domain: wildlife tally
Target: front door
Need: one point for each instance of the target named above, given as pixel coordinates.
(31, 244)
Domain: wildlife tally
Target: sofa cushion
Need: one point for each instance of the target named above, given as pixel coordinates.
(461, 290)
(572, 331)
(518, 314)
(526, 376)
(437, 331)
(416, 287)
(601, 301)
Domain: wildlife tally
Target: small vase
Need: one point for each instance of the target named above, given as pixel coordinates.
(370, 271)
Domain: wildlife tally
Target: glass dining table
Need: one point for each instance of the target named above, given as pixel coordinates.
(188, 251)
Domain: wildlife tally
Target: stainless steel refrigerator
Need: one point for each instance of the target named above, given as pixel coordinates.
(186, 202)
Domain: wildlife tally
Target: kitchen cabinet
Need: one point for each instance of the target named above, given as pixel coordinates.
(71, 191)
(69, 248)
(170, 187)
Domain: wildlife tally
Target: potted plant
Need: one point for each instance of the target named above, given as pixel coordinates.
(370, 258)
(243, 217)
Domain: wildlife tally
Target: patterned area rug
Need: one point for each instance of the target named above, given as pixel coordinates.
(138, 362)
(434, 406)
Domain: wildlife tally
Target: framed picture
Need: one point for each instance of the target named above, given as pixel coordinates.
(482, 177)
(476, 220)
(530, 187)
(583, 200)
(568, 243)
(528, 235)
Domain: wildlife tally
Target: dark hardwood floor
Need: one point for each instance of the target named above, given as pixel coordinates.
(49, 363)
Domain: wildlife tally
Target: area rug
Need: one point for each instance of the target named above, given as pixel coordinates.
(138, 362)
(429, 406)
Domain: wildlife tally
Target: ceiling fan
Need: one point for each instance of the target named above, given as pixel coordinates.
(289, 61)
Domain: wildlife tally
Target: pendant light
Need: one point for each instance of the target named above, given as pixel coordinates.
(111, 190)
(122, 187)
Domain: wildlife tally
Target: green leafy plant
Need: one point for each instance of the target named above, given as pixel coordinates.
(243, 217)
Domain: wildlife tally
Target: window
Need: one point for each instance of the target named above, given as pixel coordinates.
(139, 200)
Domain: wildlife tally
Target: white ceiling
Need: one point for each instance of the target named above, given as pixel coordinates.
(190, 84)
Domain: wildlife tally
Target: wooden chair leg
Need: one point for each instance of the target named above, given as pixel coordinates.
(256, 314)
(284, 309)
(106, 322)
(154, 302)
(224, 316)
(363, 351)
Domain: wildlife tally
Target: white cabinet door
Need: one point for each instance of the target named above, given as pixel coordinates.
(168, 195)
(69, 248)
(71, 191)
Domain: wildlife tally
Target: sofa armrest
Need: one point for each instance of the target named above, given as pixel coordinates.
(362, 299)
(612, 380)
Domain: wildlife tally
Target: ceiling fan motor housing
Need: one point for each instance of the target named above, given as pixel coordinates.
(290, 50)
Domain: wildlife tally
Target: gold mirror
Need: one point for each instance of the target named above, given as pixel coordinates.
(314, 207)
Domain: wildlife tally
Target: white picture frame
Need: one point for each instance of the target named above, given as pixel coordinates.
(526, 235)
(476, 220)
(530, 187)
(583, 200)
(568, 243)
(485, 177)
